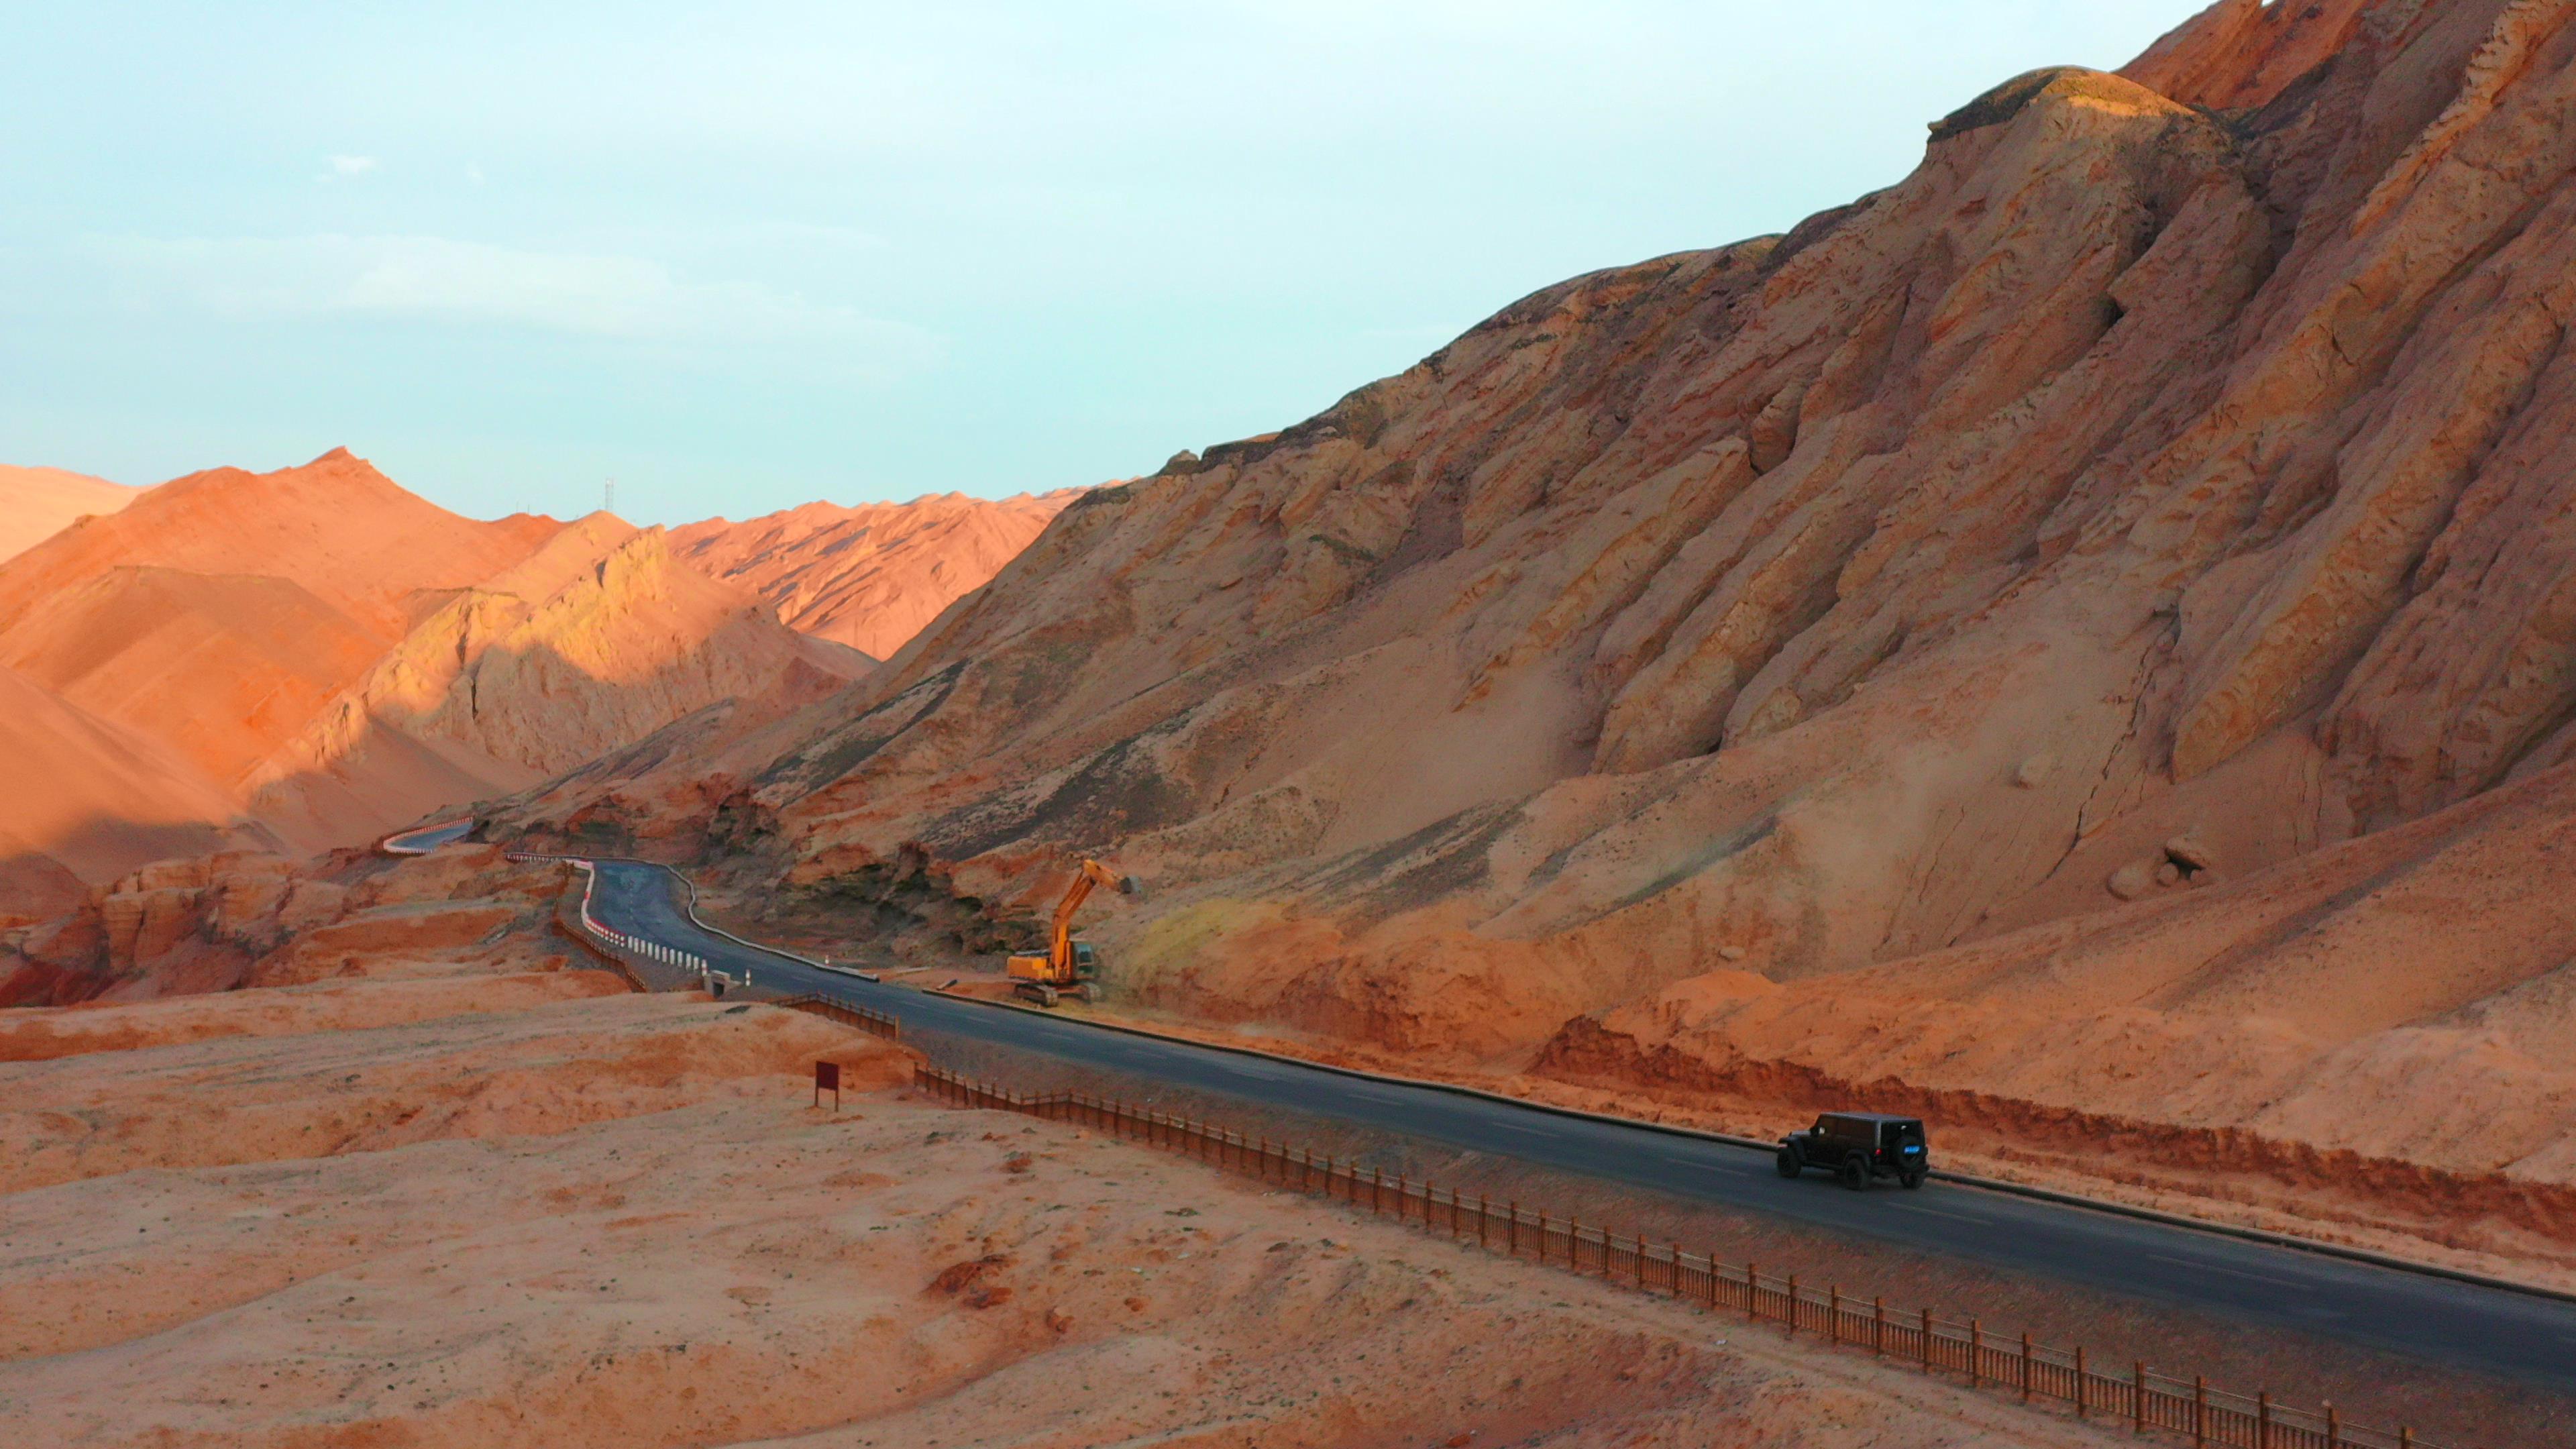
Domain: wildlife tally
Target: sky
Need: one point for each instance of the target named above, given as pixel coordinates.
(742, 257)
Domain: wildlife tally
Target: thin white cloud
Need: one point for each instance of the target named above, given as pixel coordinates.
(474, 173)
(438, 280)
(343, 168)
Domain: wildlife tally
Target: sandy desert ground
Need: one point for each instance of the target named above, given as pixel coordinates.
(473, 1207)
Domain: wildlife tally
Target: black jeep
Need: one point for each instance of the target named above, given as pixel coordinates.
(1858, 1146)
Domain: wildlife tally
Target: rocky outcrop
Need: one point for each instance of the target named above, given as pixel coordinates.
(2174, 456)
(235, 919)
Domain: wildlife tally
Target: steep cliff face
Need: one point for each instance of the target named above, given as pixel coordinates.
(2166, 481)
(869, 577)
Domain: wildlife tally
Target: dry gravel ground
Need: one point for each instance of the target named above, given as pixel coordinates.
(617, 1222)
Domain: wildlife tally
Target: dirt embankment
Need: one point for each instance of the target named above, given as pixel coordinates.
(219, 922)
(2483, 1222)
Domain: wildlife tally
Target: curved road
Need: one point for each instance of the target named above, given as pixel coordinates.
(2512, 1335)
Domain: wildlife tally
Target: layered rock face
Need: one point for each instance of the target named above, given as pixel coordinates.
(869, 577)
(305, 658)
(2164, 484)
(37, 503)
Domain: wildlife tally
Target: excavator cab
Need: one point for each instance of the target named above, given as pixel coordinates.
(1067, 965)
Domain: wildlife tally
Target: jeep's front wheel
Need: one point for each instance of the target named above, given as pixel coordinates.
(1854, 1172)
(1791, 1161)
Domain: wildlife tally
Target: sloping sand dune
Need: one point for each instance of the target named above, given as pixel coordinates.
(92, 798)
(37, 503)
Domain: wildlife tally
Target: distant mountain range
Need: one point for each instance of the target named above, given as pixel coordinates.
(302, 659)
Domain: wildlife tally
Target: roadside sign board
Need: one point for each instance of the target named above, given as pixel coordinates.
(827, 1078)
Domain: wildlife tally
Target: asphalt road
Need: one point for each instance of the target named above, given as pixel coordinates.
(2510, 1335)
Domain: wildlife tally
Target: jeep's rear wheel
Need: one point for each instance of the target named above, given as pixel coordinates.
(1791, 1161)
(1854, 1172)
(1912, 1180)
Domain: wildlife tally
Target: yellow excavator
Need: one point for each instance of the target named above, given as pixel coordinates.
(1067, 965)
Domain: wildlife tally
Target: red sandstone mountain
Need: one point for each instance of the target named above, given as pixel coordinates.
(37, 503)
(873, 576)
(308, 656)
(2090, 627)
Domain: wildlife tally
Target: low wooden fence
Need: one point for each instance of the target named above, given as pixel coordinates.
(876, 1022)
(2128, 1394)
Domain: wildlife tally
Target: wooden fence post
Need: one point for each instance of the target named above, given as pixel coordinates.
(2263, 1420)
(2199, 1411)
(1976, 1354)
(1927, 1340)
(1793, 1305)
(2334, 1429)
(2025, 1366)
(1752, 1295)
(2138, 1398)
(1878, 1326)
(2079, 1381)
(1834, 1312)
(1512, 1228)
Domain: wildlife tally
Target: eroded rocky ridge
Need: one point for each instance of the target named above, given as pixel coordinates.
(2165, 486)
(871, 576)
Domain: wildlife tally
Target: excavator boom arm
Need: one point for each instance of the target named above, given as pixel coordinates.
(1060, 941)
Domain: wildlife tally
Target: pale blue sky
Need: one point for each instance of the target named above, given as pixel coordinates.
(740, 260)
